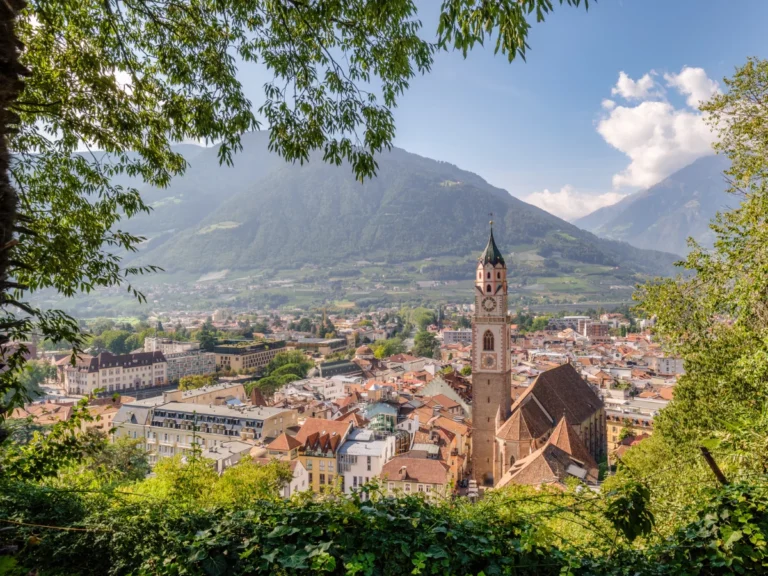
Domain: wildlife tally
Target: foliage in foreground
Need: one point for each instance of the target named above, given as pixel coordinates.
(123, 534)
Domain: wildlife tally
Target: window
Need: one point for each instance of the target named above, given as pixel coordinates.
(488, 288)
(428, 488)
(408, 487)
(310, 477)
(489, 275)
(488, 340)
(369, 463)
(391, 486)
(322, 465)
(420, 487)
(309, 464)
(354, 481)
(322, 479)
(498, 275)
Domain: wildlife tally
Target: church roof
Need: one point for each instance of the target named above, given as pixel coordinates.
(492, 255)
(526, 423)
(560, 391)
(563, 436)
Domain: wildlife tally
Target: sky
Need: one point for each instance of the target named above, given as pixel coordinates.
(605, 105)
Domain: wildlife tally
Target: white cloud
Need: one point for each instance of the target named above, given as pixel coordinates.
(608, 104)
(657, 137)
(569, 203)
(694, 83)
(634, 89)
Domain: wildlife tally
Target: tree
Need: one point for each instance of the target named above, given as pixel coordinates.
(386, 348)
(466, 370)
(126, 79)
(195, 381)
(424, 344)
(299, 363)
(36, 372)
(716, 317)
(125, 460)
(248, 482)
(207, 337)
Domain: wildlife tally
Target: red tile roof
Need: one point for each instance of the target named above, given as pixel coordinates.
(424, 470)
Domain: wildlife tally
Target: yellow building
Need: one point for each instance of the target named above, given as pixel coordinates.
(246, 355)
(320, 441)
(636, 423)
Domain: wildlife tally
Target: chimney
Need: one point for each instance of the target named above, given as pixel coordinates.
(403, 473)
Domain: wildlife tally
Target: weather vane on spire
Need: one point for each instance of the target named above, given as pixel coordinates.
(491, 216)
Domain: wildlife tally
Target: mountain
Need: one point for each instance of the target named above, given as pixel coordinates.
(265, 212)
(666, 214)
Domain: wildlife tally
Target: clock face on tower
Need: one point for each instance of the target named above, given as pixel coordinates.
(489, 361)
(489, 304)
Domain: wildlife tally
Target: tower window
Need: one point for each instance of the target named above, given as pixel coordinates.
(488, 288)
(479, 275)
(488, 340)
(489, 276)
(498, 275)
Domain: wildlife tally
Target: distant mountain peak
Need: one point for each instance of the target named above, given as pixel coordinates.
(663, 216)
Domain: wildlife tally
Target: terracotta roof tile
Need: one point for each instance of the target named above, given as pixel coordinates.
(425, 470)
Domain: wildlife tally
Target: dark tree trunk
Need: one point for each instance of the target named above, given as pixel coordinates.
(11, 85)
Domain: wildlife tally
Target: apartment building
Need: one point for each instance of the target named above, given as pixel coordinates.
(190, 363)
(168, 346)
(170, 428)
(362, 457)
(457, 337)
(115, 373)
(246, 355)
(320, 441)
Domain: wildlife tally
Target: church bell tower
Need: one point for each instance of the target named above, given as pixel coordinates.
(491, 370)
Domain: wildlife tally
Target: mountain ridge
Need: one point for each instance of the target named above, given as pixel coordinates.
(666, 214)
(265, 212)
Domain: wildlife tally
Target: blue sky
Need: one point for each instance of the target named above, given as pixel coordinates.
(536, 125)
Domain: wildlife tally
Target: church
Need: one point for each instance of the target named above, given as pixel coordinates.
(554, 429)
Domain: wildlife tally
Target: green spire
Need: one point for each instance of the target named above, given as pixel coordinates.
(492, 254)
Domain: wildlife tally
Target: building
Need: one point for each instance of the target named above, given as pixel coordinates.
(190, 363)
(457, 337)
(170, 428)
(635, 415)
(115, 373)
(239, 355)
(168, 346)
(339, 368)
(324, 388)
(597, 331)
(408, 475)
(503, 433)
(362, 457)
(320, 442)
(665, 365)
(566, 322)
(286, 449)
(491, 370)
(322, 346)
(231, 393)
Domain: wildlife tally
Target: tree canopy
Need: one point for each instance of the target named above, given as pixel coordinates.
(110, 85)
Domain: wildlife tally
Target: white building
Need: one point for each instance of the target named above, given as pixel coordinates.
(170, 428)
(362, 457)
(115, 373)
(168, 346)
(457, 337)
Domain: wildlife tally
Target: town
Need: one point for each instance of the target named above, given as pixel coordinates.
(443, 402)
